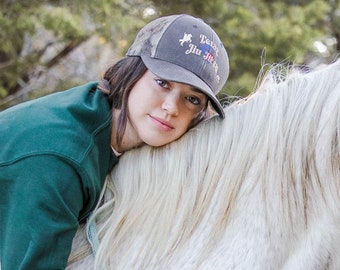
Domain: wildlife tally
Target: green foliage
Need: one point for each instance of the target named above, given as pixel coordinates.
(14, 27)
(254, 32)
(21, 22)
(36, 35)
(63, 24)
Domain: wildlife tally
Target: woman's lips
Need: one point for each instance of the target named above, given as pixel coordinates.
(163, 124)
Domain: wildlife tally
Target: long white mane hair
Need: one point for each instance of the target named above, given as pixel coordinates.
(257, 190)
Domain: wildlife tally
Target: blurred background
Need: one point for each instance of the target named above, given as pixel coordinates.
(48, 46)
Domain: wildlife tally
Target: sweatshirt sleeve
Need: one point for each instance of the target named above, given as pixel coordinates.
(41, 198)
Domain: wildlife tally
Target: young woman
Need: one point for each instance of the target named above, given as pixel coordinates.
(57, 150)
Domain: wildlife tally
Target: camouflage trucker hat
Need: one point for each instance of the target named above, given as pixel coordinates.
(184, 49)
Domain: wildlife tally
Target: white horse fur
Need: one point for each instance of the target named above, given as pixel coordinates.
(258, 190)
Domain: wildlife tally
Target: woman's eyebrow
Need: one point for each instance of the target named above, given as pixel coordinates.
(195, 89)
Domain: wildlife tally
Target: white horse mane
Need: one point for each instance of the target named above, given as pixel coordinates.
(258, 190)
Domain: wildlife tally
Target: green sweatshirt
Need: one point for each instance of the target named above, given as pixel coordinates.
(54, 156)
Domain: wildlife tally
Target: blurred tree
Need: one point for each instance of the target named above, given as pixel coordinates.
(255, 32)
(20, 21)
(36, 35)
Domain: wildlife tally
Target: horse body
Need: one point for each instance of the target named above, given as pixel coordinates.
(259, 190)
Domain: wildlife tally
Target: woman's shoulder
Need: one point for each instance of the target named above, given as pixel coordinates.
(65, 123)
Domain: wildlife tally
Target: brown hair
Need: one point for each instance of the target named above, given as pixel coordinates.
(122, 77)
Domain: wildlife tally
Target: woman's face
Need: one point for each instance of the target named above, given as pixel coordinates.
(161, 111)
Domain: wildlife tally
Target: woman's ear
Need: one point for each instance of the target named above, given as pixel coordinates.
(210, 112)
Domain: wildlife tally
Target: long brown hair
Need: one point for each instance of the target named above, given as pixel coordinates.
(122, 76)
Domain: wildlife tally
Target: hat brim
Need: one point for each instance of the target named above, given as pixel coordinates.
(172, 72)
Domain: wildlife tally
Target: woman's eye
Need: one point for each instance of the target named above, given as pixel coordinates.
(162, 83)
(194, 100)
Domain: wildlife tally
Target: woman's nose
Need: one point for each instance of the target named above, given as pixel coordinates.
(170, 104)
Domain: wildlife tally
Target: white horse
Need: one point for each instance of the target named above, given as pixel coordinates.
(258, 190)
